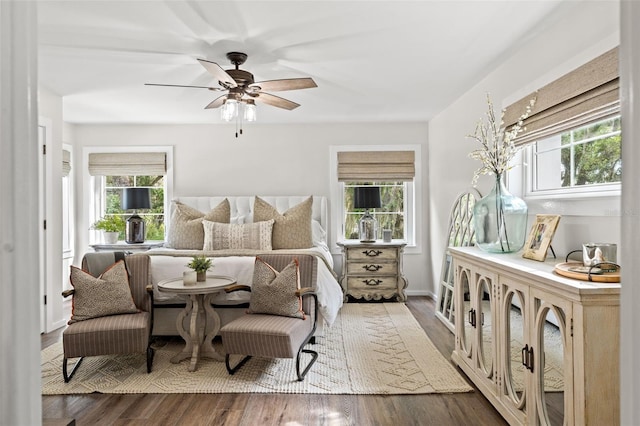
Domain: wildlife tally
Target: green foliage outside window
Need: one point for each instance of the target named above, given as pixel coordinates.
(153, 217)
(389, 216)
(597, 154)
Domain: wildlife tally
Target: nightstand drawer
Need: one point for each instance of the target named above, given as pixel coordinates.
(378, 268)
(372, 283)
(372, 254)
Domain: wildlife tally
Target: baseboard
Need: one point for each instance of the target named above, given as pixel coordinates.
(428, 294)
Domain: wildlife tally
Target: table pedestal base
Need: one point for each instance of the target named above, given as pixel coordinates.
(197, 345)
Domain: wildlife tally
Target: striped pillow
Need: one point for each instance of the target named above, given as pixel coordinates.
(220, 236)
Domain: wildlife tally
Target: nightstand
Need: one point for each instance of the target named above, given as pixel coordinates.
(123, 246)
(373, 271)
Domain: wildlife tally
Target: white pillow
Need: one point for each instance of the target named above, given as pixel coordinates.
(318, 234)
(220, 236)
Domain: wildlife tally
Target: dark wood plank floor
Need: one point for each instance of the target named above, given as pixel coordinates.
(282, 409)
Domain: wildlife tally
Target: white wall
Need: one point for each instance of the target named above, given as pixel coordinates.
(267, 160)
(567, 42)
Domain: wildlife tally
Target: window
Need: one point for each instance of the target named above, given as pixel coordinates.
(67, 203)
(396, 170)
(154, 217)
(573, 133)
(587, 156)
(111, 169)
(390, 216)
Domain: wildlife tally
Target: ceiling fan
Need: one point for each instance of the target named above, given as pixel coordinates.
(241, 87)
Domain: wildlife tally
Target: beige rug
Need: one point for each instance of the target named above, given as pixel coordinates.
(371, 349)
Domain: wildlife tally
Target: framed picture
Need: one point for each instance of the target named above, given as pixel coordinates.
(540, 236)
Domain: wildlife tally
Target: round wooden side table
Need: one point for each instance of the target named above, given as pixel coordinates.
(197, 344)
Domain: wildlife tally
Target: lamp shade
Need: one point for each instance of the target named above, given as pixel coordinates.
(136, 198)
(366, 197)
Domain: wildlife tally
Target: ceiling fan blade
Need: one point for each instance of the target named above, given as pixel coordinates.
(215, 89)
(217, 102)
(285, 84)
(275, 101)
(220, 74)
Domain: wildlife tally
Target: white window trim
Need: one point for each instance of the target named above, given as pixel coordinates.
(91, 184)
(576, 192)
(591, 202)
(414, 242)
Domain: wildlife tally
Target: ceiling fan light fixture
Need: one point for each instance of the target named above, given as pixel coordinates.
(250, 111)
(229, 110)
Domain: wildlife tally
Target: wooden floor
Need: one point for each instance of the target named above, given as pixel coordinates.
(282, 409)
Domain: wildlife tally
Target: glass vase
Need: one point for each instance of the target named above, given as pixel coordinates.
(500, 220)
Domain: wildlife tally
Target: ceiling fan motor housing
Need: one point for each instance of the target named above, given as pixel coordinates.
(243, 78)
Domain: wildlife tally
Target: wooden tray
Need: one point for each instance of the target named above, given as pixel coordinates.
(565, 269)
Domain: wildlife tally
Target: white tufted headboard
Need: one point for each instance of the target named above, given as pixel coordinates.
(242, 206)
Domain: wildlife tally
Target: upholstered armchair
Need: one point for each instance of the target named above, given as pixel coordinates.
(282, 335)
(123, 330)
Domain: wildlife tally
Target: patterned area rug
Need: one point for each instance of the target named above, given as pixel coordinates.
(376, 348)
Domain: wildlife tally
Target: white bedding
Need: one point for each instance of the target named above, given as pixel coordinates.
(165, 266)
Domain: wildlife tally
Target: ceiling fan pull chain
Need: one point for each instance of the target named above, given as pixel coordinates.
(237, 123)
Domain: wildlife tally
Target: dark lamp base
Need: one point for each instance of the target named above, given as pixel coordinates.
(135, 230)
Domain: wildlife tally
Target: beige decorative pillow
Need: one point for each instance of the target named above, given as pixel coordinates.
(185, 227)
(108, 294)
(291, 229)
(220, 236)
(274, 292)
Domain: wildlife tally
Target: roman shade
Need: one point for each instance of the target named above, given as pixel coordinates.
(127, 164)
(378, 166)
(586, 94)
(66, 163)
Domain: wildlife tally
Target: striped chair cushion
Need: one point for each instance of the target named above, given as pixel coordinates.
(265, 335)
(117, 334)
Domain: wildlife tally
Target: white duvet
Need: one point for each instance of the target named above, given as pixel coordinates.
(165, 267)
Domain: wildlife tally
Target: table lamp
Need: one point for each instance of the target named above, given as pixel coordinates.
(367, 197)
(134, 199)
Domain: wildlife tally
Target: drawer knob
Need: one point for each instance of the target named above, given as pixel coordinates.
(372, 253)
(372, 282)
(372, 268)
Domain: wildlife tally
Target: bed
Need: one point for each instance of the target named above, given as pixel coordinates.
(197, 226)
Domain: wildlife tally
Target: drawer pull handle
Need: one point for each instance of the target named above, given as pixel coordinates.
(372, 282)
(372, 253)
(372, 268)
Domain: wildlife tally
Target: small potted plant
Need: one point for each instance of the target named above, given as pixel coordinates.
(200, 264)
(111, 226)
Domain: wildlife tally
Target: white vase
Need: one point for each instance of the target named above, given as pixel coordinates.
(110, 237)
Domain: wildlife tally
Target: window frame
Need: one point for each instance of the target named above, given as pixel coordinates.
(95, 204)
(407, 188)
(571, 192)
(413, 197)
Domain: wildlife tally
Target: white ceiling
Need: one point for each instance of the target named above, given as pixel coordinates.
(372, 60)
